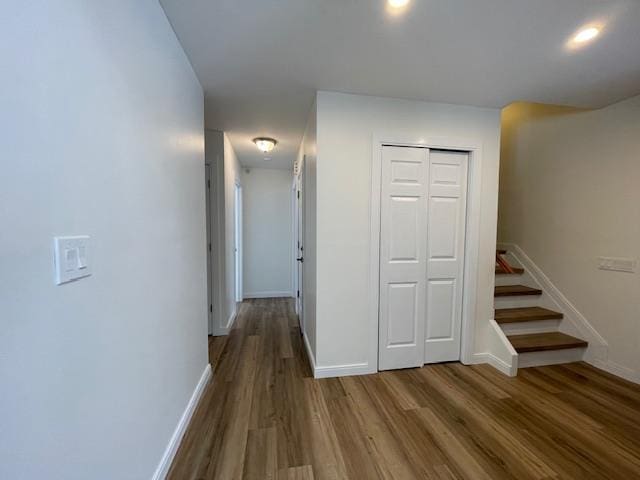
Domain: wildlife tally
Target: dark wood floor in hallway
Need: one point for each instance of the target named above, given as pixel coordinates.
(263, 416)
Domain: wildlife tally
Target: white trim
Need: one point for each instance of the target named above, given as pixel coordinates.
(284, 293)
(495, 362)
(573, 322)
(238, 242)
(503, 348)
(550, 357)
(170, 452)
(312, 360)
(472, 237)
(225, 330)
(617, 370)
(342, 370)
(232, 319)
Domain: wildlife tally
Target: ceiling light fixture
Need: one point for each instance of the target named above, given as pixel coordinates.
(265, 144)
(398, 3)
(586, 34)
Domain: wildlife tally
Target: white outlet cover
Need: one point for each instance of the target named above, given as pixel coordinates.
(71, 258)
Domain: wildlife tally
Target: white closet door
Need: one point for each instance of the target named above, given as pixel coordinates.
(403, 257)
(445, 254)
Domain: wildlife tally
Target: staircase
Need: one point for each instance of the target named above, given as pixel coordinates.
(532, 329)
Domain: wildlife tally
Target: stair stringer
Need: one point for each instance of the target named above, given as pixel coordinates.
(573, 323)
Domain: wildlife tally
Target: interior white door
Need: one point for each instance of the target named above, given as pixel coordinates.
(447, 203)
(403, 241)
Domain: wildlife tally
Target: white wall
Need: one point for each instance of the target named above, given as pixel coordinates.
(267, 230)
(102, 134)
(307, 167)
(232, 176)
(568, 194)
(346, 125)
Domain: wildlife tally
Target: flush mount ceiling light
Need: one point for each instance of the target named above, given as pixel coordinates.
(586, 34)
(398, 3)
(264, 144)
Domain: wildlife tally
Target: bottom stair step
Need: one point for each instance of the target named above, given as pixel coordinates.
(541, 342)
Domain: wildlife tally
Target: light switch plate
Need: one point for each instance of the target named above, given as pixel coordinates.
(617, 264)
(71, 258)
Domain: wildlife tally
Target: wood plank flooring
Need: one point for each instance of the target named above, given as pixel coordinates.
(264, 417)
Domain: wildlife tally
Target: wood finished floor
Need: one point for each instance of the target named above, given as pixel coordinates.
(264, 417)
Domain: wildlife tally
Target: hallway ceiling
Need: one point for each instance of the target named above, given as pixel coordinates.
(260, 61)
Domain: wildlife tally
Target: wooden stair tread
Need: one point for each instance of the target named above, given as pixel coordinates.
(515, 290)
(526, 314)
(541, 342)
(516, 271)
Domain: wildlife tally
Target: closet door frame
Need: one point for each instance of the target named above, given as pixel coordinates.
(472, 238)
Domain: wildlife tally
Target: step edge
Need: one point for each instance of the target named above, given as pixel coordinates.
(551, 348)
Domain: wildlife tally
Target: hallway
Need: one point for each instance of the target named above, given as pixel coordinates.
(263, 416)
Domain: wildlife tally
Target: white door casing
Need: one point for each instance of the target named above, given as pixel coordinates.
(239, 294)
(300, 245)
(447, 200)
(403, 225)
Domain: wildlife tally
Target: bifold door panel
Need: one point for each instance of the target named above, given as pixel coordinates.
(445, 254)
(423, 216)
(402, 257)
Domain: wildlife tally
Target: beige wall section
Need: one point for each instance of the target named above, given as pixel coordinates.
(569, 193)
(346, 126)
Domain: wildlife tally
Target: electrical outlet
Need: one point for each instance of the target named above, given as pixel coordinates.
(627, 265)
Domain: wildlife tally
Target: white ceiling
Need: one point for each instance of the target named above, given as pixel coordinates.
(260, 61)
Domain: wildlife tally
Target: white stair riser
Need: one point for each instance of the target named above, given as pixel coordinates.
(523, 328)
(502, 279)
(517, 302)
(552, 357)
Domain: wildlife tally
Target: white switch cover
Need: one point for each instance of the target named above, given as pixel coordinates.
(617, 264)
(71, 258)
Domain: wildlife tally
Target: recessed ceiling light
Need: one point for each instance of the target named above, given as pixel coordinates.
(586, 34)
(398, 3)
(265, 144)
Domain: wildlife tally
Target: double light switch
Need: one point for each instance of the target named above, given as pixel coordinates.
(71, 256)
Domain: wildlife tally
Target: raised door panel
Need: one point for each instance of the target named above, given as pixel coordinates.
(404, 223)
(402, 309)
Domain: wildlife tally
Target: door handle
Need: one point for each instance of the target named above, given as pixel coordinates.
(301, 259)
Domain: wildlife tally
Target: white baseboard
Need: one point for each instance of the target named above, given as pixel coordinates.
(221, 331)
(617, 370)
(501, 354)
(307, 347)
(346, 370)
(170, 452)
(337, 370)
(495, 362)
(274, 294)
